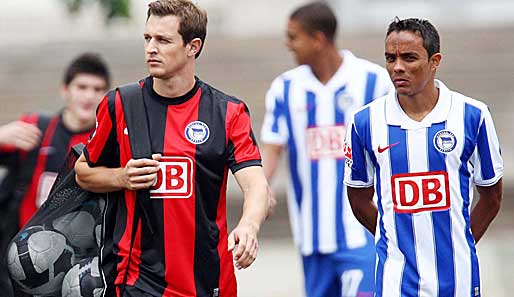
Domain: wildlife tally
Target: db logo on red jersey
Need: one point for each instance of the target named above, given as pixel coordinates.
(417, 192)
(174, 179)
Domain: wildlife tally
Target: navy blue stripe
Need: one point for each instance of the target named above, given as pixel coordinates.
(441, 221)
(277, 112)
(293, 154)
(471, 121)
(484, 152)
(339, 120)
(403, 221)
(311, 122)
(371, 81)
(362, 124)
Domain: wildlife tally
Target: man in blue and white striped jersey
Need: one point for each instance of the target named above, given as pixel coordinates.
(307, 109)
(421, 149)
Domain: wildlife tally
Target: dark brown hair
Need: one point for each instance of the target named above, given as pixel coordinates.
(316, 16)
(88, 63)
(193, 19)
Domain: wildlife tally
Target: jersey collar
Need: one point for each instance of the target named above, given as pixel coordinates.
(397, 117)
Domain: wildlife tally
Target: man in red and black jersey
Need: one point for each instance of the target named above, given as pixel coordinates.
(33, 149)
(197, 134)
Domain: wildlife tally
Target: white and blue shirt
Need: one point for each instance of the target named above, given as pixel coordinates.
(310, 119)
(424, 174)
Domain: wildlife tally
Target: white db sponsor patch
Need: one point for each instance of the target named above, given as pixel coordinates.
(418, 192)
(46, 181)
(326, 142)
(174, 179)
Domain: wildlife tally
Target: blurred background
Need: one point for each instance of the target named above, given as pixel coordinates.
(245, 50)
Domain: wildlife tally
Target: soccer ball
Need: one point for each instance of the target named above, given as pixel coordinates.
(83, 280)
(38, 259)
(98, 235)
(79, 229)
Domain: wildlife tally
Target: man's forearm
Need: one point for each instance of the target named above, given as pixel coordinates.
(367, 216)
(255, 205)
(98, 179)
(271, 154)
(363, 207)
(486, 209)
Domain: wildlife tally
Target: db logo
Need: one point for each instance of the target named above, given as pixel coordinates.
(326, 142)
(174, 179)
(417, 192)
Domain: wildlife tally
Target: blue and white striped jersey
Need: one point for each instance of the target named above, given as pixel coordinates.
(309, 118)
(424, 174)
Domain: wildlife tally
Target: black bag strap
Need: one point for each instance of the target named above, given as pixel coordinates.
(139, 135)
(136, 118)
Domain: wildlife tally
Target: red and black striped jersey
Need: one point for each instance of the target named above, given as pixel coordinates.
(200, 135)
(35, 171)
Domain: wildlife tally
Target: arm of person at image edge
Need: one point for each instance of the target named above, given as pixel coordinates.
(99, 172)
(19, 135)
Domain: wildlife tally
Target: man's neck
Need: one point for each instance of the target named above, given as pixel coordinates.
(418, 106)
(74, 124)
(175, 86)
(326, 64)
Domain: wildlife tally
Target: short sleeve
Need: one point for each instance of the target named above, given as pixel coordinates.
(102, 145)
(274, 126)
(241, 143)
(487, 160)
(359, 169)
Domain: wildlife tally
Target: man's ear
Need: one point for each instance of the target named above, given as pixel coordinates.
(194, 47)
(435, 60)
(320, 39)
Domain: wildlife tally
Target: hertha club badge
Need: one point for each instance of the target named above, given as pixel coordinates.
(197, 132)
(445, 141)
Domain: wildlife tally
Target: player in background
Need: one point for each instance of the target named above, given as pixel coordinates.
(421, 149)
(33, 148)
(197, 135)
(307, 109)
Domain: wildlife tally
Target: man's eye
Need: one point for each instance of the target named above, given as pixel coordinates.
(389, 59)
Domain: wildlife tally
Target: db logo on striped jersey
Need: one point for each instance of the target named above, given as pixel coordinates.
(418, 192)
(325, 142)
(174, 179)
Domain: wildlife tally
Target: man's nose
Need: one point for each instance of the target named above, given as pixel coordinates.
(398, 66)
(151, 46)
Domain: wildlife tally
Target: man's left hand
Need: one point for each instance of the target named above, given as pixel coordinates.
(242, 241)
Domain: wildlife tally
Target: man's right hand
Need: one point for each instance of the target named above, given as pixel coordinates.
(20, 135)
(141, 173)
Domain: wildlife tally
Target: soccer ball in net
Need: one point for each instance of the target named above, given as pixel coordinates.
(38, 259)
(83, 280)
(79, 229)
